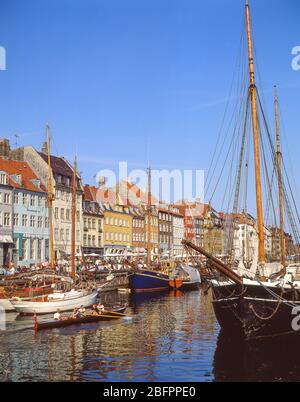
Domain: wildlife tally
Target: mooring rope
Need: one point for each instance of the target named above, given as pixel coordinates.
(271, 315)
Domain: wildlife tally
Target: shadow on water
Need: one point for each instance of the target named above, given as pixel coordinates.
(263, 360)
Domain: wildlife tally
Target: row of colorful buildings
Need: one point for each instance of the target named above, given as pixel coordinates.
(109, 221)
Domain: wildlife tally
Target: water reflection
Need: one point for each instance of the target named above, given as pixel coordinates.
(267, 360)
(170, 337)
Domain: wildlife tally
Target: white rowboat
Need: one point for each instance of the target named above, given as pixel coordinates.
(6, 305)
(62, 301)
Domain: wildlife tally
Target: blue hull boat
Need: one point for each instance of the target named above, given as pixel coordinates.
(148, 281)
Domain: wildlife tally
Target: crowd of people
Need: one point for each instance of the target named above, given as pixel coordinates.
(103, 264)
(64, 266)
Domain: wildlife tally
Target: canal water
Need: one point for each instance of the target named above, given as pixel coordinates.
(169, 337)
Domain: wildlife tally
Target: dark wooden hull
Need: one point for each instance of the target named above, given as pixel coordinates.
(107, 316)
(253, 312)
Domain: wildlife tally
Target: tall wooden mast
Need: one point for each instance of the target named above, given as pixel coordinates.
(149, 220)
(50, 200)
(74, 220)
(280, 194)
(253, 95)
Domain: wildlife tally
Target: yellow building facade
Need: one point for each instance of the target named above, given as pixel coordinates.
(117, 230)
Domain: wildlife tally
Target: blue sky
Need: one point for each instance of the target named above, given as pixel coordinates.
(117, 77)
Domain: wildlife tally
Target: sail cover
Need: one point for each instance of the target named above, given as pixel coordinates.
(192, 272)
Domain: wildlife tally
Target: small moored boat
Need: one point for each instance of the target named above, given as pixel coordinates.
(90, 318)
(185, 277)
(50, 303)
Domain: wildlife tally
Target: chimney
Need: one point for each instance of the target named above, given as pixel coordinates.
(4, 148)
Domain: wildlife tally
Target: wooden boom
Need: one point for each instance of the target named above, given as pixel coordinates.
(218, 265)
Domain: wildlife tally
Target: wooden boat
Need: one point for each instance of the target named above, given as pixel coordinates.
(258, 297)
(148, 280)
(105, 316)
(50, 303)
(8, 293)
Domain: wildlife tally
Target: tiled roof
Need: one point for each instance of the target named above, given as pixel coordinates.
(90, 193)
(58, 165)
(13, 168)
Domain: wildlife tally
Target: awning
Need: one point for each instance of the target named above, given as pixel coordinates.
(6, 239)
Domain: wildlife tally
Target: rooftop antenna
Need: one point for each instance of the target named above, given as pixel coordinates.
(16, 140)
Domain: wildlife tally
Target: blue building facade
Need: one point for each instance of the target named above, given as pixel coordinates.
(30, 227)
(28, 218)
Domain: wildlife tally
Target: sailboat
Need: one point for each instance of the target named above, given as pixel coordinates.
(63, 301)
(148, 280)
(263, 301)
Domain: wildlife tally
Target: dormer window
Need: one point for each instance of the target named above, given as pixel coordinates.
(3, 178)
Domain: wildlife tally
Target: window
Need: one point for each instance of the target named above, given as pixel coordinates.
(89, 224)
(16, 219)
(6, 198)
(3, 178)
(56, 213)
(56, 234)
(32, 221)
(106, 236)
(46, 222)
(99, 241)
(40, 201)
(111, 236)
(62, 235)
(24, 199)
(32, 249)
(68, 215)
(62, 213)
(78, 216)
(84, 239)
(47, 248)
(94, 240)
(24, 249)
(40, 222)
(89, 240)
(6, 221)
(67, 235)
(107, 221)
(32, 200)
(94, 224)
(39, 249)
(111, 221)
(16, 198)
(24, 220)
